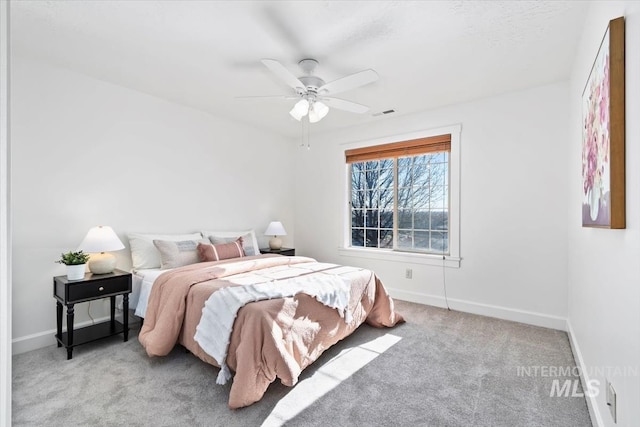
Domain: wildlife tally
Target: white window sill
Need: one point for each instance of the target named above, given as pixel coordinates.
(398, 256)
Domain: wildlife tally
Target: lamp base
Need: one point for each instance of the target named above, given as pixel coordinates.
(275, 244)
(102, 263)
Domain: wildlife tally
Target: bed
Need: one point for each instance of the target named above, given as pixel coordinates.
(271, 339)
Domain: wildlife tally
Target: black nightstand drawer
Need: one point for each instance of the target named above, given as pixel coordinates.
(283, 251)
(98, 289)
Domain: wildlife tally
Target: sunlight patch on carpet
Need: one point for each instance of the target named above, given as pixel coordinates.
(327, 377)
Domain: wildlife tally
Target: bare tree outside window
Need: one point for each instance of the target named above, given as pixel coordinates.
(406, 196)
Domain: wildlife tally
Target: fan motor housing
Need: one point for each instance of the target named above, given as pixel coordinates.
(312, 83)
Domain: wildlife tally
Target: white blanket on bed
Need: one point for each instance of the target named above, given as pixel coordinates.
(213, 333)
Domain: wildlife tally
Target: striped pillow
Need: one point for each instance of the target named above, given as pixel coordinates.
(176, 254)
(208, 252)
(247, 243)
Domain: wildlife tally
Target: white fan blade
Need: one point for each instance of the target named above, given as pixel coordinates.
(260, 98)
(342, 104)
(283, 74)
(349, 82)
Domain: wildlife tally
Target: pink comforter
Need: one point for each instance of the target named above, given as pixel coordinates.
(272, 338)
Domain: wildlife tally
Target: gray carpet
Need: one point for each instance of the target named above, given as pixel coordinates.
(441, 368)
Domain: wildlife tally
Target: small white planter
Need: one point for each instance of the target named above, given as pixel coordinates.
(75, 272)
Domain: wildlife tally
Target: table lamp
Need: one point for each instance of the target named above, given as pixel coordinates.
(98, 242)
(275, 229)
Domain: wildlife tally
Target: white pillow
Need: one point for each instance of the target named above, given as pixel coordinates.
(145, 255)
(249, 243)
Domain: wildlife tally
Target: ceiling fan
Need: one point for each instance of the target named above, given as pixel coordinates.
(313, 94)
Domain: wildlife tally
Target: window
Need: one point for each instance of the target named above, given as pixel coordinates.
(399, 195)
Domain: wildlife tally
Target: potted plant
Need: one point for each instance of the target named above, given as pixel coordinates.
(75, 262)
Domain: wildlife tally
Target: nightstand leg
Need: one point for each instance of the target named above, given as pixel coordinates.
(113, 312)
(59, 322)
(125, 316)
(70, 312)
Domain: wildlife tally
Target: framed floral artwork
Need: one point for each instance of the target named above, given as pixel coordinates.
(603, 133)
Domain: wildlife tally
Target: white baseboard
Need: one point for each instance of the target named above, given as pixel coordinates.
(522, 316)
(44, 339)
(592, 404)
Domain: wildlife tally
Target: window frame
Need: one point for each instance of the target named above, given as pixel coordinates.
(452, 259)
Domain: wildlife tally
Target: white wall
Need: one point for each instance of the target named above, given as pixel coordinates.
(513, 202)
(86, 152)
(604, 272)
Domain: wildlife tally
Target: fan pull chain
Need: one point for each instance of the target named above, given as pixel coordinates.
(305, 133)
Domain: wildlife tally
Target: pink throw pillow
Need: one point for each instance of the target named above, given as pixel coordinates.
(221, 251)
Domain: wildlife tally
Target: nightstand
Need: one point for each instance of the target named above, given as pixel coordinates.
(283, 251)
(91, 287)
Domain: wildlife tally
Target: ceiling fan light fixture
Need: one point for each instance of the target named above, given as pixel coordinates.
(310, 89)
(300, 109)
(318, 111)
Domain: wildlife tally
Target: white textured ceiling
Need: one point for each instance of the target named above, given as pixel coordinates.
(204, 53)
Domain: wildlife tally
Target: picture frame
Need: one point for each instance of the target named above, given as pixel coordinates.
(603, 134)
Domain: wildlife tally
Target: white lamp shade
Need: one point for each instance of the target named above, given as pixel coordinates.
(275, 228)
(317, 112)
(300, 109)
(101, 239)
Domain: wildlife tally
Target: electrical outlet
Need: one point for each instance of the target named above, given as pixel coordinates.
(408, 273)
(611, 400)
